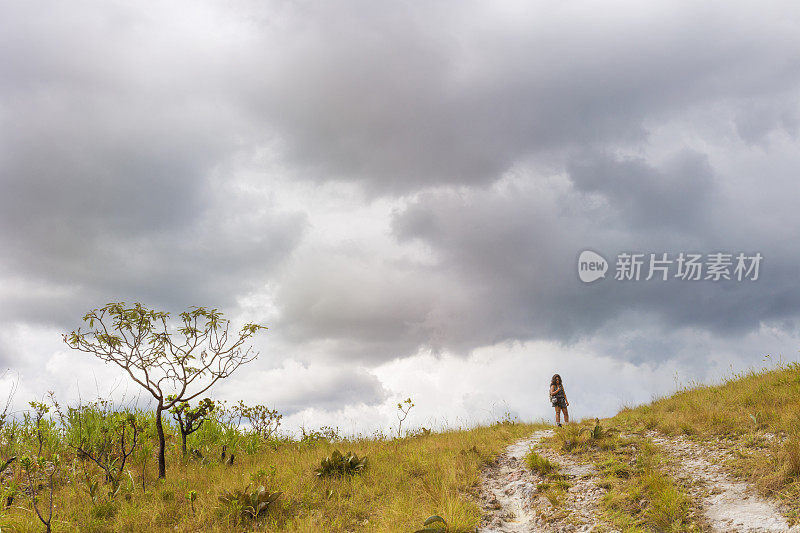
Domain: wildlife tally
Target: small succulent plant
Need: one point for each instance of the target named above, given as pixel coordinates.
(337, 464)
(92, 487)
(434, 524)
(598, 432)
(191, 496)
(7, 463)
(251, 504)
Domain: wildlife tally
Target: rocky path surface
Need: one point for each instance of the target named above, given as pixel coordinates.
(512, 504)
(728, 504)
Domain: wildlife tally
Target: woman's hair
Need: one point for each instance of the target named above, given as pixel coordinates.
(556, 380)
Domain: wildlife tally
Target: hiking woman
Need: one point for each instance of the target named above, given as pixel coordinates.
(559, 399)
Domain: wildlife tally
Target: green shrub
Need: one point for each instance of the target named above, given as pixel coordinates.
(249, 504)
(337, 464)
(323, 435)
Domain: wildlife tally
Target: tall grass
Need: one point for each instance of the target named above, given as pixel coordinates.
(643, 496)
(765, 400)
(406, 481)
(757, 413)
(539, 464)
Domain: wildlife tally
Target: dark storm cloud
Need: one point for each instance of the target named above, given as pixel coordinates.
(649, 199)
(458, 93)
(361, 308)
(522, 252)
(503, 267)
(509, 137)
(210, 261)
(113, 158)
(568, 91)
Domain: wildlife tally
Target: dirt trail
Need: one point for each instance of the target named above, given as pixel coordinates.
(512, 504)
(728, 504)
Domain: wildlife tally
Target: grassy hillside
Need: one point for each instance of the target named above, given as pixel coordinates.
(405, 481)
(756, 413)
(766, 401)
(753, 415)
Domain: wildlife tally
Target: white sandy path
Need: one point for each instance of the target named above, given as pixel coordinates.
(510, 499)
(508, 490)
(511, 503)
(729, 505)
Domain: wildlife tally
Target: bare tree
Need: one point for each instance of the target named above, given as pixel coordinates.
(5, 412)
(38, 470)
(175, 363)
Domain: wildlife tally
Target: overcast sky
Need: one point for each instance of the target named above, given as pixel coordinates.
(400, 192)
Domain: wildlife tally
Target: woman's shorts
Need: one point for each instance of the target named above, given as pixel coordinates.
(558, 402)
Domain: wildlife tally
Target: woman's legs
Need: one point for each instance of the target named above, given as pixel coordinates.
(566, 415)
(558, 415)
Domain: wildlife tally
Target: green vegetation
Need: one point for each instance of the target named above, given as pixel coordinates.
(243, 504)
(765, 401)
(641, 494)
(537, 463)
(175, 362)
(555, 486)
(341, 465)
(755, 414)
(271, 486)
(191, 419)
(433, 524)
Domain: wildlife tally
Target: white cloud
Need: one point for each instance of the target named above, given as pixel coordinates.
(377, 182)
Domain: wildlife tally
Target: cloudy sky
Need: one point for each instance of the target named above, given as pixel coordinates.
(401, 191)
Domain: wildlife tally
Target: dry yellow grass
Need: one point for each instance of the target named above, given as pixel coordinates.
(405, 481)
(641, 495)
(766, 401)
(755, 413)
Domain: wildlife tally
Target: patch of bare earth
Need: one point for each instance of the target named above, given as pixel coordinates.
(512, 503)
(729, 505)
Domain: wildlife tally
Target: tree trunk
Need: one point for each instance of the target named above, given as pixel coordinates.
(183, 440)
(162, 463)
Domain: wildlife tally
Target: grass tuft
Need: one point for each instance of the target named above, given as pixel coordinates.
(643, 496)
(539, 464)
(755, 413)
